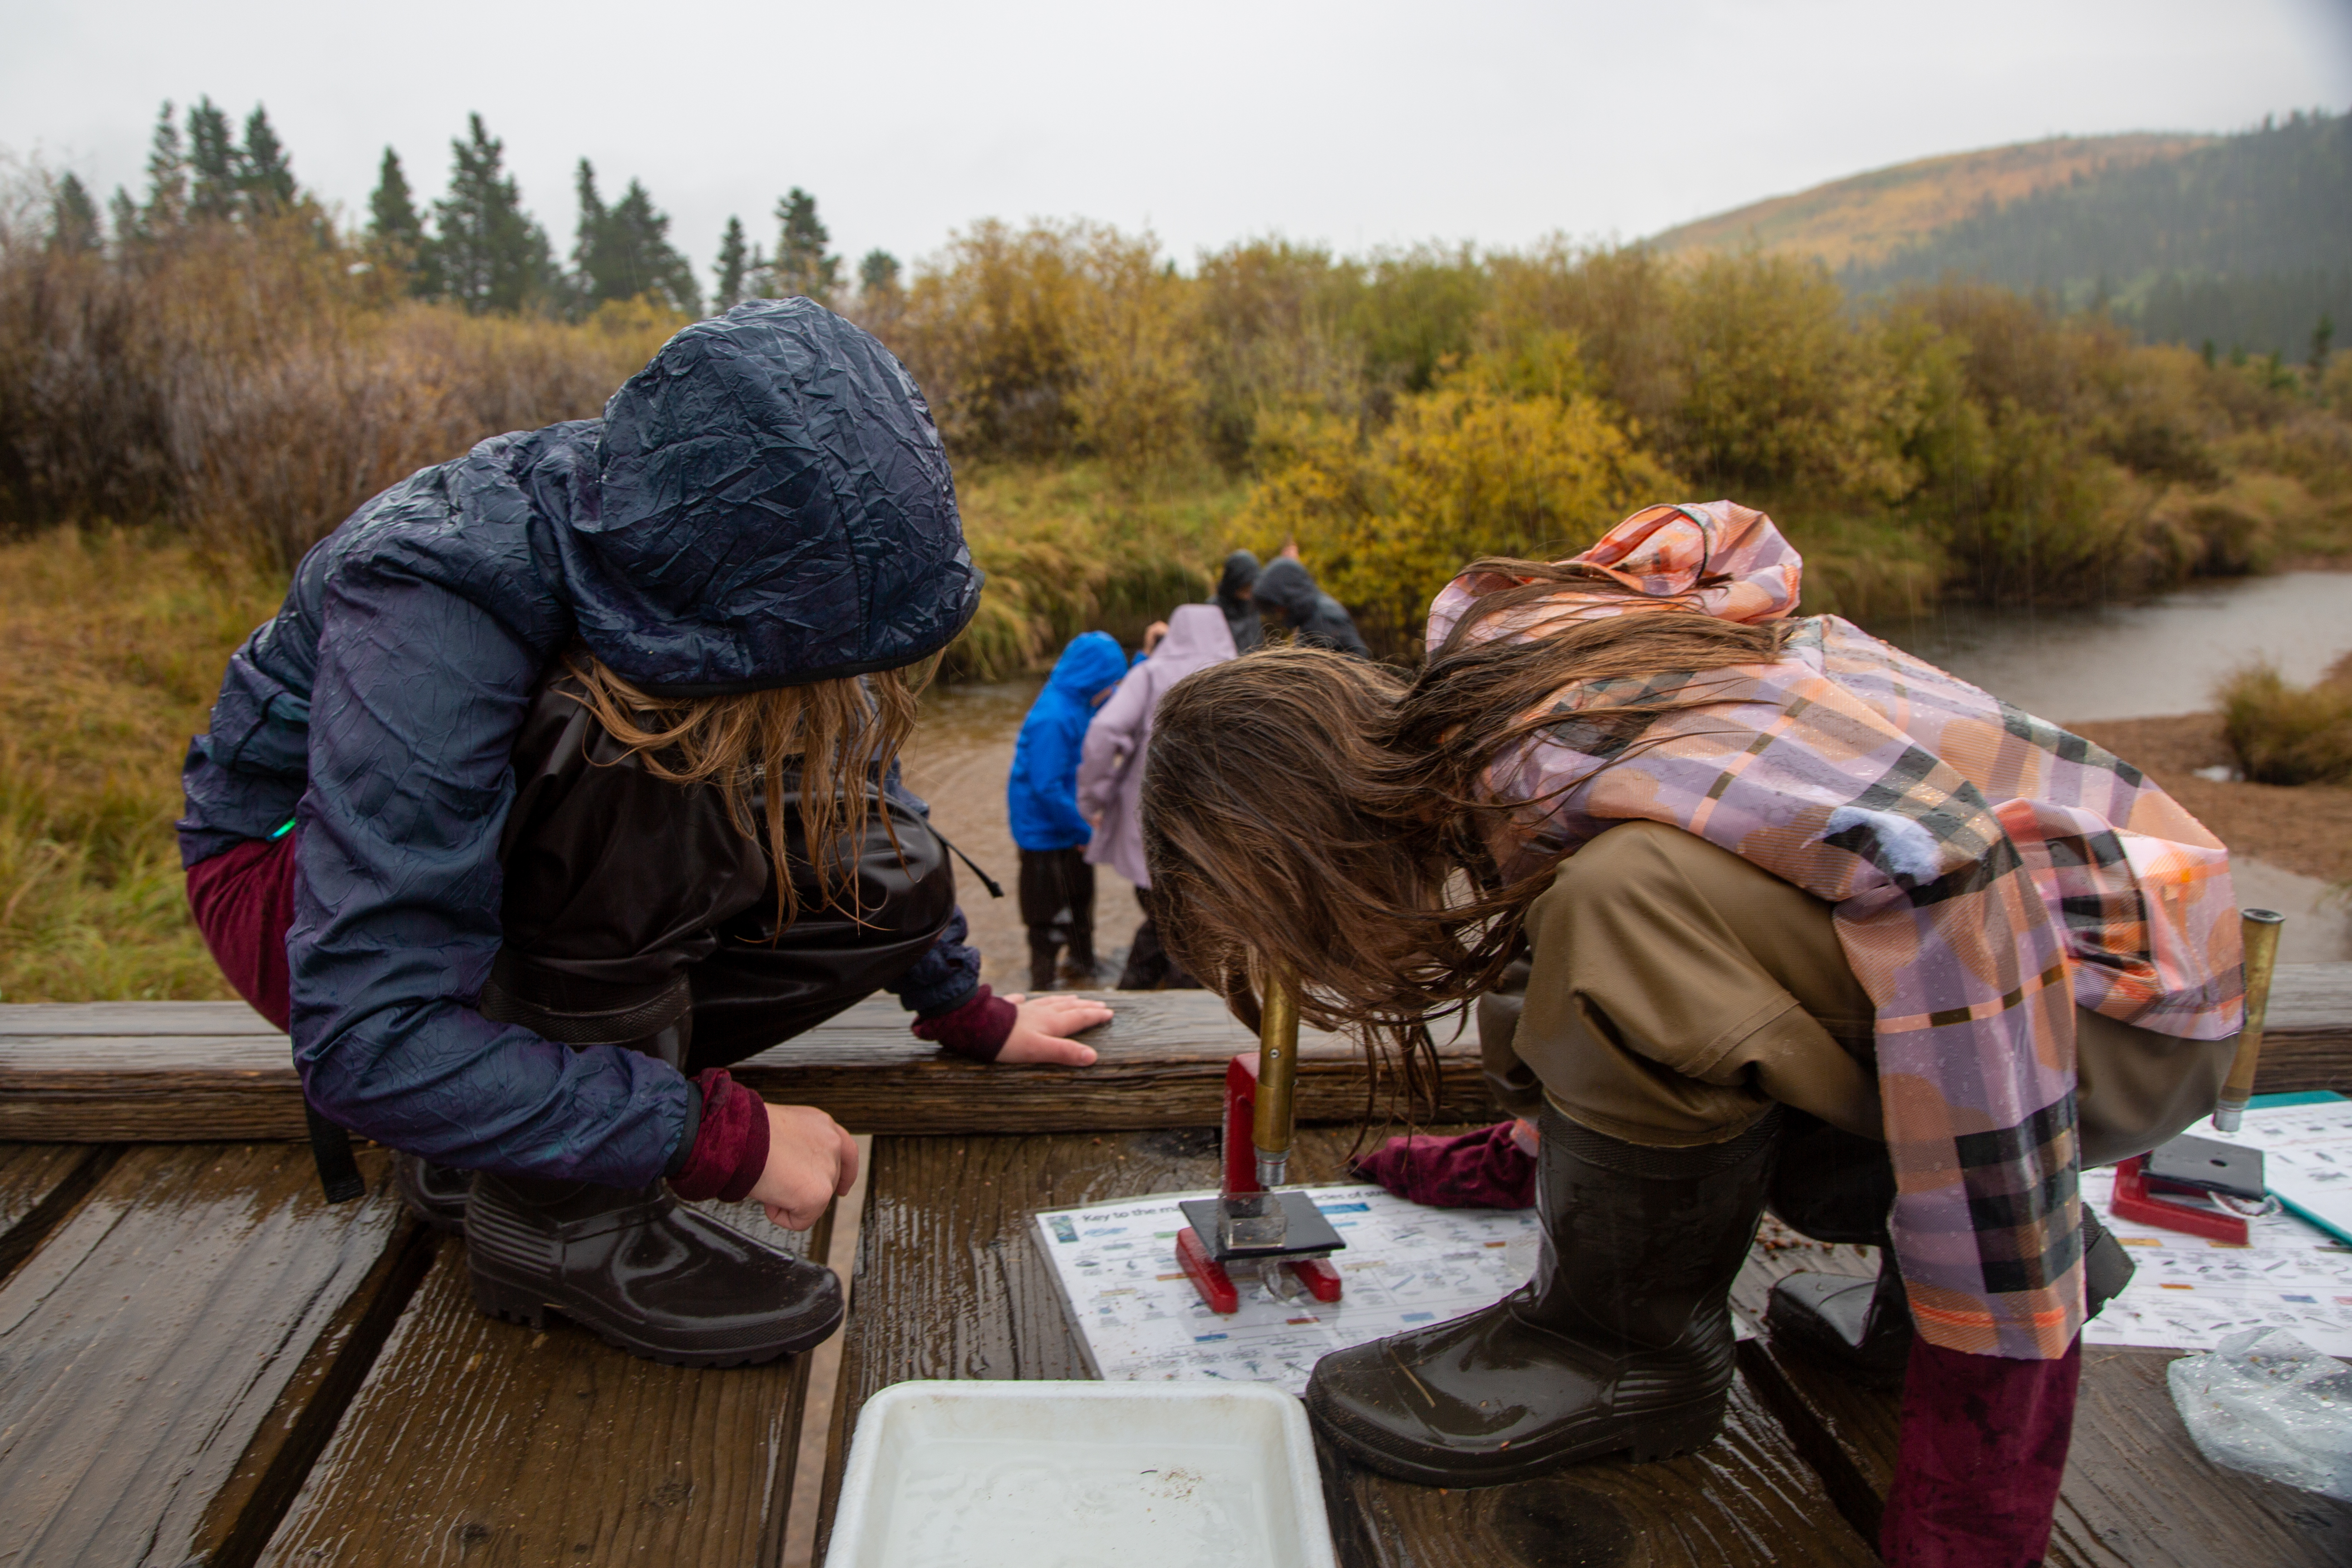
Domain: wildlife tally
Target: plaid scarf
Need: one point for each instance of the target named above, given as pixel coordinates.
(1989, 872)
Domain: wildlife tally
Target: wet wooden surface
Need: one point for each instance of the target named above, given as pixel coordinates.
(40, 1183)
(198, 1070)
(162, 1071)
(480, 1441)
(951, 1285)
(2137, 1494)
(165, 1350)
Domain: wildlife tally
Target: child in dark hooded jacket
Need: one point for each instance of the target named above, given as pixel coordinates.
(1041, 797)
(1316, 620)
(566, 778)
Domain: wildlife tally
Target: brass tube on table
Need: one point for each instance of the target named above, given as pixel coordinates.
(2260, 932)
(1277, 1076)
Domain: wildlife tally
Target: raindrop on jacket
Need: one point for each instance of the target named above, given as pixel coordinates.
(766, 503)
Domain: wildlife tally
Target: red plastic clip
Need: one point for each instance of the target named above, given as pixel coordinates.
(1318, 1277)
(1208, 1275)
(2136, 1199)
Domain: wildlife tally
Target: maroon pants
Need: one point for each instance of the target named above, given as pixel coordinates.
(244, 902)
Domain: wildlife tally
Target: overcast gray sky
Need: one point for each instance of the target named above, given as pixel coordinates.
(1363, 124)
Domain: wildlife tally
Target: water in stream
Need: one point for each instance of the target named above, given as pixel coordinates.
(2070, 665)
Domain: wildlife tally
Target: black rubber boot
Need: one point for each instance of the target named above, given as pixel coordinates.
(643, 1272)
(1862, 1326)
(1620, 1343)
(433, 1193)
(635, 1267)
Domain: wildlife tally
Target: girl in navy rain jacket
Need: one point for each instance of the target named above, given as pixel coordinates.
(566, 776)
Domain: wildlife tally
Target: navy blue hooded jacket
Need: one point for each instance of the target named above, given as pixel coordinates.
(1041, 794)
(765, 504)
(1317, 619)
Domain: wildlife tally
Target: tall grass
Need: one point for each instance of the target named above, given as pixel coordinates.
(116, 642)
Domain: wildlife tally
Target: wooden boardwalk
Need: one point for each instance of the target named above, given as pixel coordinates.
(200, 1362)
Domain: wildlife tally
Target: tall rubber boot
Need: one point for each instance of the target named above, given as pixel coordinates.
(635, 1266)
(1620, 1343)
(1862, 1327)
(433, 1193)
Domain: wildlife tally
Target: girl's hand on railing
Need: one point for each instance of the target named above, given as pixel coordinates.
(1041, 1031)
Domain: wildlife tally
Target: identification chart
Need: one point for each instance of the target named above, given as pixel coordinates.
(2188, 1293)
(1405, 1265)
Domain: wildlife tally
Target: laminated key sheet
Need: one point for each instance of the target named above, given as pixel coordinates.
(1404, 1266)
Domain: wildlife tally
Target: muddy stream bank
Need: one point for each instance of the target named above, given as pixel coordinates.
(2111, 671)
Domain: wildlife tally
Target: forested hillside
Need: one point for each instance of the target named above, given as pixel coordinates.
(1862, 220)
(2245, 243)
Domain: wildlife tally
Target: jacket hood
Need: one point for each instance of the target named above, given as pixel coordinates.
(1197, 637)
(1287, 586)
(771, 507)
(1089, 667)
(1241, 571)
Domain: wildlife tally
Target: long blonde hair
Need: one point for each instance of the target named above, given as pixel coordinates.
(831, 740)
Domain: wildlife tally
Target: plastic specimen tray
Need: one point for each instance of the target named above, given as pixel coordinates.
(966, 1475)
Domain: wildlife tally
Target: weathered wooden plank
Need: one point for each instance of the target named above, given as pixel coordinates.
(2139, 1495)
(37, 1019)
(40, 1183)
(2307, 1042)
(1162, 1063)
(474, 1439)
(202, 1074)
(2136, 1493)
(158, 1350)
(950, 1284)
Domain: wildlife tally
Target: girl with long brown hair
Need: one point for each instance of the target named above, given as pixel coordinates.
(1805, 920)
(566, 777)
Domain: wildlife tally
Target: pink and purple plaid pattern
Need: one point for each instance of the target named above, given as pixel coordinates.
(1989, 871)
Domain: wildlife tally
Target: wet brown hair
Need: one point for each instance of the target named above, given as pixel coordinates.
(1325, 815)
(833, 738)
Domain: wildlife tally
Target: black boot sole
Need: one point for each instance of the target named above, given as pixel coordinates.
(1657, 1435)
(521, 1304)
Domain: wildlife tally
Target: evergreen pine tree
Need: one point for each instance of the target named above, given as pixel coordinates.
(167, 181)
(729, 273)
(877, 273)
(215, 167)
(801, 266)
(624, 250)
(492, 255)
(591, 241)
(266, 177)
(73, 217)
(124, 214)
(395, 230)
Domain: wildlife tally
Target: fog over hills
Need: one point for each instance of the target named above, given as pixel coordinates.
(2242, 240)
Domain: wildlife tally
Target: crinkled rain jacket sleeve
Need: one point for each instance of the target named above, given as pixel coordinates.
(418, 698)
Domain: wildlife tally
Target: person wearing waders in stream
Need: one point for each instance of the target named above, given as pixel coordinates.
(1041, 800)
(568, 776)
(1801, 923)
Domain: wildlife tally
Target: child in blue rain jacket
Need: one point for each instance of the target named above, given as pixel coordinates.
(1057, 886)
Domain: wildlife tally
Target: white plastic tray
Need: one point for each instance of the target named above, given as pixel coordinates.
(1073, 1475)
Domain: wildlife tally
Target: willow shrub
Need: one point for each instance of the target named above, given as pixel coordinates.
(1475, 466)
(2287, 734)
(255, 386)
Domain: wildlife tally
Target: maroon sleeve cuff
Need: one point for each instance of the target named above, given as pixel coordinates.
(977, 1029)
(730, 1147)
